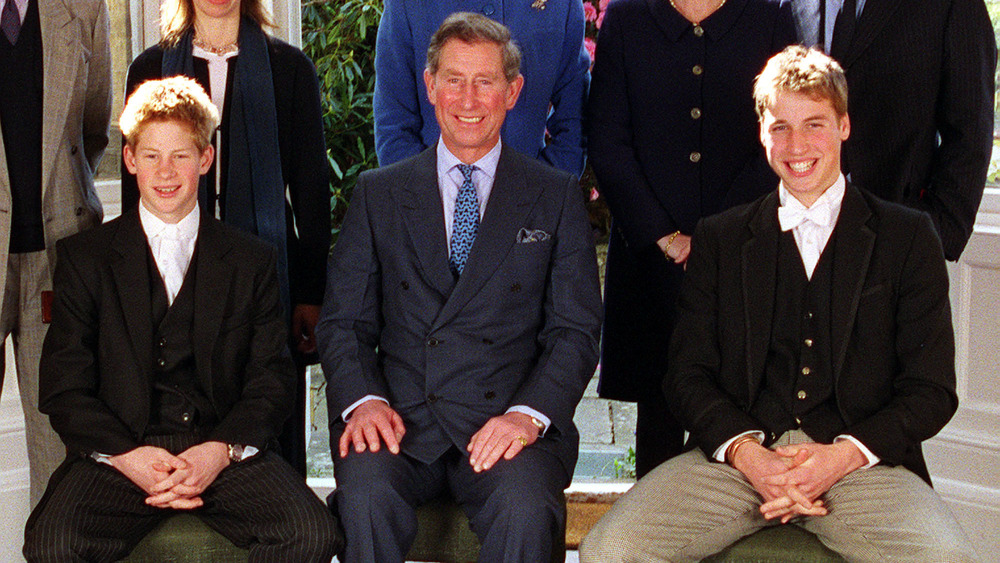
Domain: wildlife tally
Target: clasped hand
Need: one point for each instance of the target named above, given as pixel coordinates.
(792, 478)
(373, 422)
(173, 481)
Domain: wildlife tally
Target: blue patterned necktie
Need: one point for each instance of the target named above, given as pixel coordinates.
(466, 222)
(10, 21)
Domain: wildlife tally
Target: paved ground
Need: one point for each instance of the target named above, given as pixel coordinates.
(607, 430)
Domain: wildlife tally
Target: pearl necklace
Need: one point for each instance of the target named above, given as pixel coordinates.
(234, 46)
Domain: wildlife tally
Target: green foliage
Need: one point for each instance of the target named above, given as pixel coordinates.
(625, 465)
(339, 37)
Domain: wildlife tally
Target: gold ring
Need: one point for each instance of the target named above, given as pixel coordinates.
(523, 440)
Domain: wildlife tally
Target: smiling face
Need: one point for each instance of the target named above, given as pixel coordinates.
(167, 165)
(802, 138)
(471, 97)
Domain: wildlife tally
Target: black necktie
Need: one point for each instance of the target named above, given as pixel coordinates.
(843, 29)
(10, 21)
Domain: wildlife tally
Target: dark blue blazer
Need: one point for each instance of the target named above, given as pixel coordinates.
(673, 137)
(553, 61)
(519, 327)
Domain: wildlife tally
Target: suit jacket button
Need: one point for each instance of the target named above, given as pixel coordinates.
(186, 417)
(432, 398)
(432, 342)
(73, 150)
(489, 395)
(515, 288)
(405, 285)
(161, 362)
(79, 211)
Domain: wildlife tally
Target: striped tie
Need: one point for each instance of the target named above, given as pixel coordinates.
(466, 222)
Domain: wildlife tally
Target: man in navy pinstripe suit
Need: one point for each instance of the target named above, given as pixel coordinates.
(165, 370)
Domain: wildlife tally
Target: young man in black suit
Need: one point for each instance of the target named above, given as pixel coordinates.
(165, 370)
(814, 354)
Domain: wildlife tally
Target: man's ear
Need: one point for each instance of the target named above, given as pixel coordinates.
(845, 127)
(431, 90)
(129, 157)
(206, 159)
(514, 91)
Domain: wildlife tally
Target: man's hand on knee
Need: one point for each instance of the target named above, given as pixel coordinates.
(369, 424)
(505, 435)
(146, 466)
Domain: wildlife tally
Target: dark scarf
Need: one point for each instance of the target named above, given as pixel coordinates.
(254, 156)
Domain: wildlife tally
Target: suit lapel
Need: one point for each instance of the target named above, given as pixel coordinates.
(423, 213)
(510, 201)
(213, 279)
(854, 241)
(59, 68)
(131, 275)
(759, 257)
(873, 19)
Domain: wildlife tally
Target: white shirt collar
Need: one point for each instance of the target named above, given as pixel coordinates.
(153, 226)
(833, 196)
(487, 164)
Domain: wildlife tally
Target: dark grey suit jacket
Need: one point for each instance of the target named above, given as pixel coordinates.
(97, 360)
(892, 346)
(920, 76)
(519, 327)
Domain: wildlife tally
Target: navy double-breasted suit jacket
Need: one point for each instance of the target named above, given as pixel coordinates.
(519, 327)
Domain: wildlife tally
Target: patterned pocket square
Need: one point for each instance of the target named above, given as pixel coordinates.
(532, 235)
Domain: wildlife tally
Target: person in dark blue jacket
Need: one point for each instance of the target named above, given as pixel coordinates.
(554, 64)
(672, 138)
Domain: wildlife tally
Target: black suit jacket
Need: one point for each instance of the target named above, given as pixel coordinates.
(892, 341)
(917, 70)
(519, 327)
(97, 360)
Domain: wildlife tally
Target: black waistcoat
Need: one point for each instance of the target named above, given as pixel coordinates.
(180, 404)
(21, 115)
(798, 389)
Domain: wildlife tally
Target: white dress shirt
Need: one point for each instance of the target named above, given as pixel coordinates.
(172, 246)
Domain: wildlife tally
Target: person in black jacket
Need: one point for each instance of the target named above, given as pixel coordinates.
(270, 143)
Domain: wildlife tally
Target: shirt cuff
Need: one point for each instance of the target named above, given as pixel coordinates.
(347, 412)
(533, 414)
(720, 454)
(872, 458)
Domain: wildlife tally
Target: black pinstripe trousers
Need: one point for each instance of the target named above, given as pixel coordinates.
(91, 512)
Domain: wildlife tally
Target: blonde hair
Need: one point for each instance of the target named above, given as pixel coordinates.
(801, 70)
(177, 16)
(177, 98)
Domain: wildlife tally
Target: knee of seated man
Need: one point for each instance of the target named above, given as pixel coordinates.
(318, 536)
(365, 484)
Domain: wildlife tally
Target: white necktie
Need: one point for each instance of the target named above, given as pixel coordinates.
(809, 224)
(172, 259)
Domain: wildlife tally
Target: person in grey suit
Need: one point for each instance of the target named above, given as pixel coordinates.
(461, 323)
(54, 118)
(815, 353)
(166, 370)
